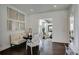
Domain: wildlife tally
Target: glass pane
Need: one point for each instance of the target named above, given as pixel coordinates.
(72, 23)
(20, 16)
(72, 27)
(22, 26)
(12, 14)
(9, 25)
(16, 26)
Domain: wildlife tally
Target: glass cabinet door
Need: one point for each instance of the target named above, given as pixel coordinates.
(9, 25)
(12, 14)
(15, 20)
(22, 26)
(20, 17)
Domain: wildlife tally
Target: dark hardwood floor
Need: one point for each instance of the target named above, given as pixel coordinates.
(16, 50)
(52, 48)
(46, 48)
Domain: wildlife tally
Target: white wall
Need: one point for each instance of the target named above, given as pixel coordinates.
(78, 29)
(60, 27)
(0, 28)
(76, 41)
(4, 34)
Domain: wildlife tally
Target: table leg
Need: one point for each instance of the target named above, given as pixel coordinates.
(26, 45)
(31, 50)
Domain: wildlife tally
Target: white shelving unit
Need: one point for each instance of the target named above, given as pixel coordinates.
(15, 20)
(15, 23)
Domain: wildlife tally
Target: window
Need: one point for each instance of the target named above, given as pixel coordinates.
(72, 27)
(71, 23)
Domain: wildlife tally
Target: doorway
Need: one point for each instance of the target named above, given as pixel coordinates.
(45, 28)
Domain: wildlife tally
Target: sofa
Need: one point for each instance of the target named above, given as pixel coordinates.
(17, 38)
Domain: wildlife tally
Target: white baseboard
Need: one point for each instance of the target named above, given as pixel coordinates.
(4, 48)
(59, 41)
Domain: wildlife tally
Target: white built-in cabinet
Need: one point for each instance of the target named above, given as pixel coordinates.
(12, 20)
(15, 20)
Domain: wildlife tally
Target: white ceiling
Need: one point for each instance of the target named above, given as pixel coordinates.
(39, 8)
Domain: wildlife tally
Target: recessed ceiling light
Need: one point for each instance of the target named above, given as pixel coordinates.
(31, 10)
(55, 6)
